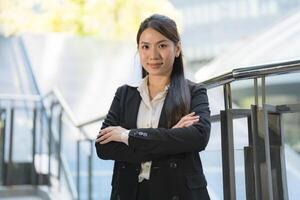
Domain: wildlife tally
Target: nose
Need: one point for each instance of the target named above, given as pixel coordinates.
(154, 54)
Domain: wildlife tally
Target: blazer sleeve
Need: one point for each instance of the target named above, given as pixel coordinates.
(117, 150)
(177, 140)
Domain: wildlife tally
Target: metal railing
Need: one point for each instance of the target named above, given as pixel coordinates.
(55, 101)
(50, 111)
(265, 178)
(259, 152)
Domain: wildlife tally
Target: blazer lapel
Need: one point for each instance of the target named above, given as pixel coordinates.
(132, 105)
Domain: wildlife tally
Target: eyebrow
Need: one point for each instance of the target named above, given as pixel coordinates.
(143, 42)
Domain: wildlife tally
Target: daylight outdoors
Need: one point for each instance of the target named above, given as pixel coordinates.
(61, 62)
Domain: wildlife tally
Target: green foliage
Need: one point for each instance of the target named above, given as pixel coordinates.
(106, 19)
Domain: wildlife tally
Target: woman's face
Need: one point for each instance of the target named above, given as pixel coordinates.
(157, 53)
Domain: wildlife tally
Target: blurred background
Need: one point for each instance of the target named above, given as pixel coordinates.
(61, 62)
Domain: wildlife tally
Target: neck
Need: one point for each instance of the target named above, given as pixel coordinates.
(158, 82)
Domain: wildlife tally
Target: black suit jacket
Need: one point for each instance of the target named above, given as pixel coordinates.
(176, 170)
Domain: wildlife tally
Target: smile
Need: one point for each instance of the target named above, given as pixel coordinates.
(155, 65)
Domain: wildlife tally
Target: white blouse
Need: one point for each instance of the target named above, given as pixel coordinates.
(148, 117)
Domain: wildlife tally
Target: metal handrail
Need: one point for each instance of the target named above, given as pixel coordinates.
(237, 74)
(66, 108)
(59, 100)
(91, 121)
(39, 98)
(253, 72)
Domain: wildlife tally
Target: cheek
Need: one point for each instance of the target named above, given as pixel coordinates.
(169, 57)
(142, 58)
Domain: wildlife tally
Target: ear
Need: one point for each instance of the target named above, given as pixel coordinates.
(178, 49)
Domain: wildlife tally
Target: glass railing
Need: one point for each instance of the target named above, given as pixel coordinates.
(41, 136)
(252, 160)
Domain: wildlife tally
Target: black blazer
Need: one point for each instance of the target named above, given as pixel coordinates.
(176, 170)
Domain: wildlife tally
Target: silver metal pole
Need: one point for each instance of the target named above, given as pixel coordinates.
(263, 90)
(227, 96)
(90, 167)
(33, 173)
(50, 140)
(228, 165)
(78, 169)
(255, 91)
(10, 154)
(59, 143)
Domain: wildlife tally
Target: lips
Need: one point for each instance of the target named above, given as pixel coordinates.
(155, 65)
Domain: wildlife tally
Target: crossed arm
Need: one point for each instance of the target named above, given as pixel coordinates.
(117, 133)
(191, 133)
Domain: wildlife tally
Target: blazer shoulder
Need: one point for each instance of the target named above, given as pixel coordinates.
(126, 88)
(194, 87)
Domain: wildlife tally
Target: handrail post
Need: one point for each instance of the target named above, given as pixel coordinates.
(50, 140)
(227, 144)
(262, 90)
(261, 154)
(11, 138)
(227, 96)
(2, 146)
(90, 168)
(33, 173)
(78, 169)
(256, 91)
(249, 165)
(40, 148)
(59, 144)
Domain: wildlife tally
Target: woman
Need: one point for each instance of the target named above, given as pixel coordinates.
(155, 131)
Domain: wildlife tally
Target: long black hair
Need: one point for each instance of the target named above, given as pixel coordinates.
(179, 97)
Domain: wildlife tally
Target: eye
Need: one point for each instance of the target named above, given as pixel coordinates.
(162, 45)
(144, 46)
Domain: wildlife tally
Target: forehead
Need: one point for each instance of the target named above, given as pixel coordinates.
(150, 35)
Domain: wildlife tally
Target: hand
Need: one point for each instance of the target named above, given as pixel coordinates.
(187, 120)
(109, 134)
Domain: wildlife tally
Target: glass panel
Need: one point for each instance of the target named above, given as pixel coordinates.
(102, 175)
(291, 131)
(240, 174)
(212, 167)
(22, 136)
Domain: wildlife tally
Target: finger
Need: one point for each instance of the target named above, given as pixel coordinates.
(106, 141)
(192, 118)
(107, 130)
(189, 119)
(186, 118)
(104, 137)
(181, 125)
(190, 114)
(190, 122)
(99, 133)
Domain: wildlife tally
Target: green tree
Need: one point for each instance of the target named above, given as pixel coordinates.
(106, 19)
